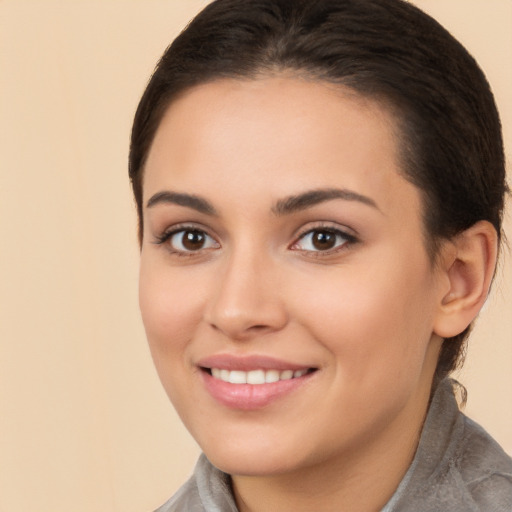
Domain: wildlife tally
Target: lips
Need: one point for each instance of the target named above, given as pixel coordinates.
(251, 382)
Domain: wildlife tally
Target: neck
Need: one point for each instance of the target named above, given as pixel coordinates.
(361, 480)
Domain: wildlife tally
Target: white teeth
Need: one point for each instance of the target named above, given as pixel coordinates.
(255, 376)
(286, 375)
(237, 377)
(271, 376)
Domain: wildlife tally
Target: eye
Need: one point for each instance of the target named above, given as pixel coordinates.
(322, 240)
(186, 241)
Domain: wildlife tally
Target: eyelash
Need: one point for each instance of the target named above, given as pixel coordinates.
(348, 239)
(166, 236)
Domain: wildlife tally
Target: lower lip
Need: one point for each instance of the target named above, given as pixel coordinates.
(251, 396)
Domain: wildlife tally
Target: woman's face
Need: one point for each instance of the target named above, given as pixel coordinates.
(286, 292)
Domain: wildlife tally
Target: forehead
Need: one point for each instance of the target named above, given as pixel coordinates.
(274, 136)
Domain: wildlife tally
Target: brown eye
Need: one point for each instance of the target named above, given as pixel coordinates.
(322, 240)
(191, 240)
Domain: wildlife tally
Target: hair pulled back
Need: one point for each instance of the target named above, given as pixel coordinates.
(388, 50)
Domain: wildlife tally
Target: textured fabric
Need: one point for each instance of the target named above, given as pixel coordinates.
(208, 490)
(458, 467)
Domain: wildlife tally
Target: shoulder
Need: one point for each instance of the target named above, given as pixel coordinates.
(485, 470)
(474, 474)
(458, 466)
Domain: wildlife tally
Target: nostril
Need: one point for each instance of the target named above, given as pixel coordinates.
(245, 318)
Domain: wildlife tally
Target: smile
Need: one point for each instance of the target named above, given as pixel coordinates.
(253, 389)
(256, 377)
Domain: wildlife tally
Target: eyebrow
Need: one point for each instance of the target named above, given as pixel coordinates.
(188, 200)
(284, 206)
(311, 198)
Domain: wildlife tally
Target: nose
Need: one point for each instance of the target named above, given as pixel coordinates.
(247, 301)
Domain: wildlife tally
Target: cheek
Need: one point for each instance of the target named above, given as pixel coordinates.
(171, 312)
(169, 307)
(376, 322)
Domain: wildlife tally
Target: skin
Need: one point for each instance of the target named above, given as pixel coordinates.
(363, 314)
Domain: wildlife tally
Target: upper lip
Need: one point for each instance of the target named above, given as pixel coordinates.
(248, 363)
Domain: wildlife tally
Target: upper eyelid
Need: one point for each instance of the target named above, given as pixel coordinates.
(184, 226)
(167, 233)
(327, 226)
(329, 229)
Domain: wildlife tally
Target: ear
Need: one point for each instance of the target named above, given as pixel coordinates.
(469, 267)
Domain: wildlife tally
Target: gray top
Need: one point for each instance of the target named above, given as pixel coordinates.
(458, 467)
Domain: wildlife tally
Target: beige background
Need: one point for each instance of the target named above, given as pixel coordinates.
(84, 425)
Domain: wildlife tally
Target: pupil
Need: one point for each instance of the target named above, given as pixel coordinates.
(324, 240)
(193, 240)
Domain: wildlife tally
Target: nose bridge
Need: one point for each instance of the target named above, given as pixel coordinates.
(247, 299)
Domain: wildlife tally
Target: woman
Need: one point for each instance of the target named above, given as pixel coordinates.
(320, 187)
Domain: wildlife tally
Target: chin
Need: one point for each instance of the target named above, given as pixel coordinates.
(251, 459)
(258, 465)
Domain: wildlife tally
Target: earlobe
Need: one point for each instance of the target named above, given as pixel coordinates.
(469, 270)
